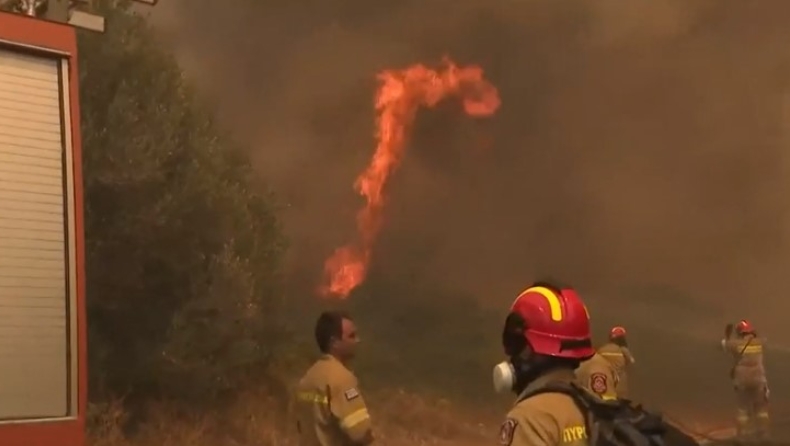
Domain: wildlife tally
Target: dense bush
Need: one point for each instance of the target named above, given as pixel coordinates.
(183, 245)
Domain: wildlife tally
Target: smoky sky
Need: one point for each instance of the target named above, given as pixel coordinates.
(638, 143)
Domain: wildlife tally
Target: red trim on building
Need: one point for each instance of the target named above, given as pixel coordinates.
(25, 30)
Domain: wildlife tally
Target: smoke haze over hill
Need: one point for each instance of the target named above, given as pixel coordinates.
(641, 145)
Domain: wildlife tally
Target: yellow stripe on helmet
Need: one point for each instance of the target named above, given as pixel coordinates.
(555, 306)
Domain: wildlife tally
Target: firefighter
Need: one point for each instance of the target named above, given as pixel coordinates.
(599, 376)
(329, 405)
(616, 351)
(748, 379)
(546, 336)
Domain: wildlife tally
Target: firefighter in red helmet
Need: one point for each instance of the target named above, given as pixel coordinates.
(546, 336)
(749, 381)
(618, 354)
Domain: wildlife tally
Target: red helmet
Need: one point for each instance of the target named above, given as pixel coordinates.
(744, 327)
(554, 322)
(617, 332)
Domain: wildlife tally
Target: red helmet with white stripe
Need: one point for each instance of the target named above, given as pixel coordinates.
(616, 332)
(554, 321)
(744, 327)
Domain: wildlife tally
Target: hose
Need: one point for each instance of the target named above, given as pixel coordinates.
(705, 436)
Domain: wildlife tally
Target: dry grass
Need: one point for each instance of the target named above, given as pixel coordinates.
(257, 419)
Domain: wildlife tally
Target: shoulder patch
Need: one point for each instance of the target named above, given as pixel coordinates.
(598, 383)
(351, 393)
(506, 432)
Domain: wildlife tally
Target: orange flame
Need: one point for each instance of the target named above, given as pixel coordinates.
(399, 97)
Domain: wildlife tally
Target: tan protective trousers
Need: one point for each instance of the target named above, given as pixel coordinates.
(752, 415)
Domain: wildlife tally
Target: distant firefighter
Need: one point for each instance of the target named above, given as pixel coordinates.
(598, 376)
(748, 379)
(616, 351)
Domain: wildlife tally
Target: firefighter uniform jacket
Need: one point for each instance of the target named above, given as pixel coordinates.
(598, 376)
(545, 419)
(621, 359)
(747, 353)
(330, 408)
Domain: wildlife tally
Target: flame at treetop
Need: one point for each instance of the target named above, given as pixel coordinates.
(400, 95)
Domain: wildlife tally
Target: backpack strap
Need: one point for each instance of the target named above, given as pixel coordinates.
(584, 400)
(739, 357)
(632, 425)
(572, 391)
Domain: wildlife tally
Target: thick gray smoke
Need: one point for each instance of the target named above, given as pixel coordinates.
(640, 142)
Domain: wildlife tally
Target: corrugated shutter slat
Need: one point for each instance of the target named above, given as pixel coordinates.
(33, 267)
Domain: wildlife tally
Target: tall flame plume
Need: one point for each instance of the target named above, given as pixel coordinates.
(400, 95)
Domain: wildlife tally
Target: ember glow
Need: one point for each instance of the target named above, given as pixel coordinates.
(400, 95)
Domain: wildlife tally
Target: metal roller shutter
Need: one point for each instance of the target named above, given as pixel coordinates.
(34, 338)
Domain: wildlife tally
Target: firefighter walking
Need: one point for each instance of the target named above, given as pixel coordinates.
(329, 405)
(618, 354)
(747, 372)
